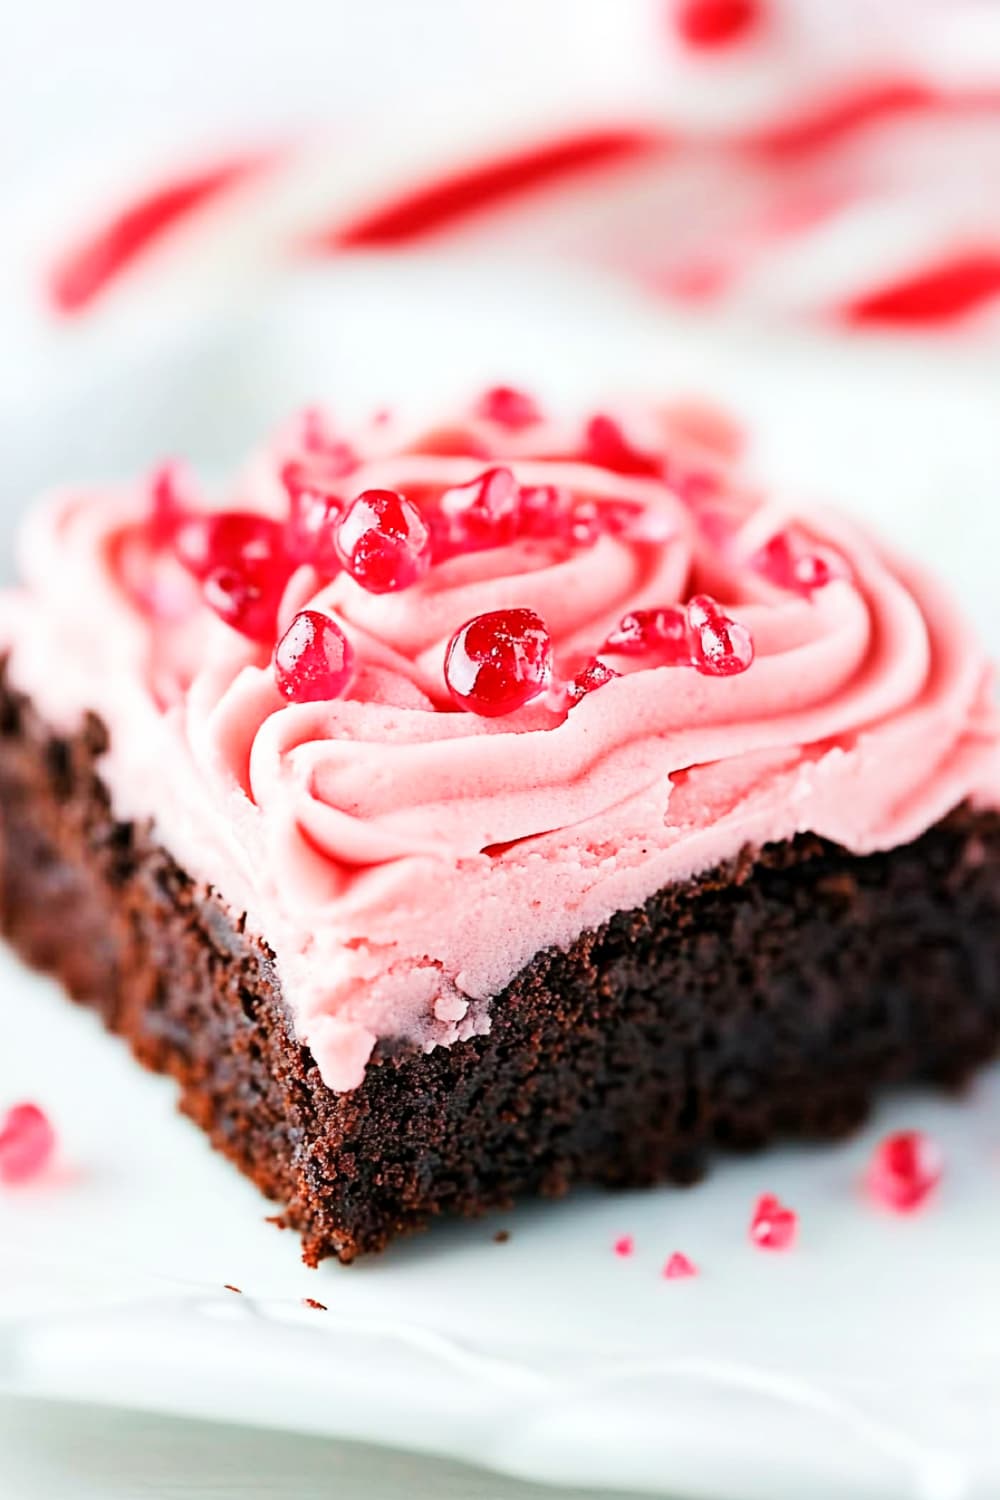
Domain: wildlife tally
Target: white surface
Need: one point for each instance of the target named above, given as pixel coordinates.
(52, 1450)
(867, 1363)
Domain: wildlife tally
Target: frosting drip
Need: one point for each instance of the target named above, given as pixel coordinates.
(405, 859)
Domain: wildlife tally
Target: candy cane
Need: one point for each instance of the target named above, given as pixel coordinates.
(868, 205)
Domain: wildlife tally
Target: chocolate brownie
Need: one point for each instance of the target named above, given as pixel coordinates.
(770, 998)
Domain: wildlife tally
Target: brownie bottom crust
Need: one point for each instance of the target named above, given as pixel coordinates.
(768, 999)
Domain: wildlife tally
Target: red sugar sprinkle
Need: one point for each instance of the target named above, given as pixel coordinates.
(228, 539)
(795, 567)
(593, 676)
(624, 1246)
(314, 660)
(706, 24)
(663, 631)
(311, 1302)
(508, 407)
(383, 542)
(241, 561)
(546, 510)
(247, 598)
(773, 1226)
(605, 444)
(720, 647)
(170, 487)
(227, 1286)
(482, 513)
(904, 1170)
(678, 1267)
(313, 513)
(499, 661)
(27, 1141)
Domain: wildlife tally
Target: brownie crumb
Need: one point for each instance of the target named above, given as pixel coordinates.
(502, 1236)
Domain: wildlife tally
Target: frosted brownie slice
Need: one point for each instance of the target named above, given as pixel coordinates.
(464, 814)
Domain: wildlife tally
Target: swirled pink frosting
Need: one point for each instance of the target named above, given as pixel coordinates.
(405, 860)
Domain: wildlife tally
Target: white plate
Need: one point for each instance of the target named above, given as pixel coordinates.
(864, 1363)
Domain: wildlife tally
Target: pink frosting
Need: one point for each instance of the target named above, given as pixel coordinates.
(405, 860)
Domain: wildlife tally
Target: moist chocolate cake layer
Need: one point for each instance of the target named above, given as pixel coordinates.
(770, 998)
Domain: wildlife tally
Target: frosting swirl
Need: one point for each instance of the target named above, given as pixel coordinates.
(405, 859)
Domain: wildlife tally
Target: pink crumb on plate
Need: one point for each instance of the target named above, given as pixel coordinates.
(773, 1226)
(625, 1245)
(27, 1141)
(904, 1170)
(679, 1267)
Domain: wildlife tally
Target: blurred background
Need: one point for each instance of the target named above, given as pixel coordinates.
(219, 210)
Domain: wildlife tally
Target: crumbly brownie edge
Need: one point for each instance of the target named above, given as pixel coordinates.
(768, 999)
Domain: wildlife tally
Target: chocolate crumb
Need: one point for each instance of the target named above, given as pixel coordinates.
(502, 1236)
(228, 1287)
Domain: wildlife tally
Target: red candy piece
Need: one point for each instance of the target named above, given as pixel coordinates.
(790, 567)
(27, 1141)
(624, 1246)
(706, 24)
(605, 444)
(241, 561)
(904, 1170)
(593, 676)
(498, 662)
(663, 631)
(483, 513)
(679, 1267)
(508, 407)
(314, 660)
(313, 513)
(383, 542)
(169, 488)
(247, 599)
(229, 539)
(773, 1226)
(720, 647)
(545, 511)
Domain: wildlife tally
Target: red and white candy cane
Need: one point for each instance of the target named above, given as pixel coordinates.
(859, 195)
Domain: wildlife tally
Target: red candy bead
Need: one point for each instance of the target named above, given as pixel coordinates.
(720, 647)
(508, 407)
(314, 660)
(904, 1170)
(706, 24)
(498, 662)
(593, 676)
(27, 1141)
(794, 568)
(624, 1246)
(545, 511)
(605, 444)
(773, 1226)
(229, 539)
(313, 513)
(678, 1267)
(483, 513)
(241, 561)
(660, 631)
(170, 488)
(246, 598)
(383, 542)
